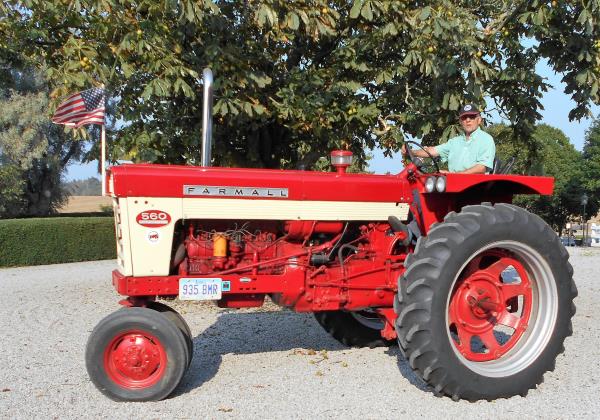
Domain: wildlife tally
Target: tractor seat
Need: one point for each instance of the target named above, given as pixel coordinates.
(502, 167)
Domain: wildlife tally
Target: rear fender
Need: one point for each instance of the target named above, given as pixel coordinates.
(503, 184)
(463, 190)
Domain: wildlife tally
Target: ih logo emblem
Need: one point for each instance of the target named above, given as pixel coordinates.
(153, 218)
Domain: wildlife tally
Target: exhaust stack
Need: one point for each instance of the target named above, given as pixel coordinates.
(207, 77)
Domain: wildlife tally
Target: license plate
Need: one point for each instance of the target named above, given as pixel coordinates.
(200, 289)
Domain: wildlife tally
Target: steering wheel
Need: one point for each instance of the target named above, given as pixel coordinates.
(413, 159)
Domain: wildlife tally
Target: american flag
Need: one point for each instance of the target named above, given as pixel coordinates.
(81, 108)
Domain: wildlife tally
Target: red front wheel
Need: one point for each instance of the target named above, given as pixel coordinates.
(136, 355)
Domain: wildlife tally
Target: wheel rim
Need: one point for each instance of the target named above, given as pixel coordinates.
(135, 359)
(369, 319)
(502, 309)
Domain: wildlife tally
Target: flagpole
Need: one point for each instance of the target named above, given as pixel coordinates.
(103, 157)
(103, 152)
(83, 108)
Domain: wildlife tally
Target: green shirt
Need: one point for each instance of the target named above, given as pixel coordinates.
(462, 154)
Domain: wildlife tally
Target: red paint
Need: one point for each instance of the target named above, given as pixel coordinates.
(297, 263)
(145, 180)
(482, 303)
(259, 264)
(341, 153)
(135, 180)
(517, 184)
(135, 359)
(302, 229)
(153, 218)
(242, 301)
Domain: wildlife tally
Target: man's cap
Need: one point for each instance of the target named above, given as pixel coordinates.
(468, 109)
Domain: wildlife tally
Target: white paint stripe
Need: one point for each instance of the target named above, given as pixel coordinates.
(210, 208)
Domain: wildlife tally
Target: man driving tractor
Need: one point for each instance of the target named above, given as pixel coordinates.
(469, 153)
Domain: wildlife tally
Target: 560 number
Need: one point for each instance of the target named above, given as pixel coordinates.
(153, 218)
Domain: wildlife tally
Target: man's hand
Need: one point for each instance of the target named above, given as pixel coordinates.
(432, 151)
(421, 153)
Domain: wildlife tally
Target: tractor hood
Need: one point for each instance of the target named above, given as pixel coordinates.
(151, 180)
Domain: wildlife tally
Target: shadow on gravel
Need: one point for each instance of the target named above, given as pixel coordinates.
(249, 333)
(407, 371)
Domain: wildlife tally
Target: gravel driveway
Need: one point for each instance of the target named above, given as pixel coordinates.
(263, 363)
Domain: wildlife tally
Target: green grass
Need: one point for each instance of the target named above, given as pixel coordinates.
(56, 240)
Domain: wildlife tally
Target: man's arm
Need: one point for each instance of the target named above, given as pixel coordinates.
(475, 169)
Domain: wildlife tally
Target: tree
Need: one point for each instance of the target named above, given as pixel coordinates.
(11, 190)
(591, 167)
(33, 152)
(296, 79)
(90, 186)
(554, 156)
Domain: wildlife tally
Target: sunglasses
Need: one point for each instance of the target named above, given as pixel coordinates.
(469, 117)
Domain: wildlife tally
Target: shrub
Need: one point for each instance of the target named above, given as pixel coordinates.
(56, 240)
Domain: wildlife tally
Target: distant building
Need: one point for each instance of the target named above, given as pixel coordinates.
(595, 234)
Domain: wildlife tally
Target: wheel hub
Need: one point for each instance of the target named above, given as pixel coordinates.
(478, 299)
(482, 305)
(135, 360)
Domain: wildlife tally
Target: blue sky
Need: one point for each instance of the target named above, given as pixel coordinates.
(555, 113)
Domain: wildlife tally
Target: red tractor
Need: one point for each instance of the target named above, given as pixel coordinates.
(477, 292)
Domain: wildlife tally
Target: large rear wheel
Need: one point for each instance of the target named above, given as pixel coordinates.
(485, 303)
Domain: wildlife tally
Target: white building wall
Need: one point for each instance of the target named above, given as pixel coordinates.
(595, 234)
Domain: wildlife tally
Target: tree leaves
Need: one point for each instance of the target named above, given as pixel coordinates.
(293, 21)
(356, 8)
(294, 79)
(265, 16)
(33, 151)
(554, 156)
(591, 166)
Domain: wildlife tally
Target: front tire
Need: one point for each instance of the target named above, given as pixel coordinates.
(136, 355)
(485, 303)
(176, 318)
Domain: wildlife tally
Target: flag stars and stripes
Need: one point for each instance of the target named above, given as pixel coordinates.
(86, 107)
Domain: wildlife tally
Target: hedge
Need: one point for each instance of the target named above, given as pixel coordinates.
(56, 240)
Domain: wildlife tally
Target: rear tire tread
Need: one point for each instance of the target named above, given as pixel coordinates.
(414, 324)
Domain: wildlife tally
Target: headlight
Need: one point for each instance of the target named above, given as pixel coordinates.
(440, 184)
(430, 184)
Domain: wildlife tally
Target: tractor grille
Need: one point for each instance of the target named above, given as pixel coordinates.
(119, 235)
